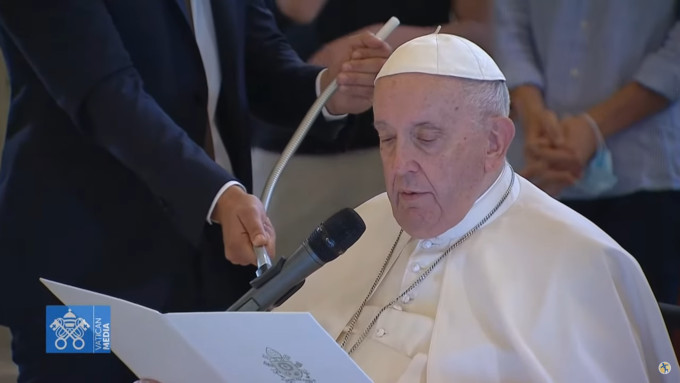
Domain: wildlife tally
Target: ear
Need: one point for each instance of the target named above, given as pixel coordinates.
(500, 136)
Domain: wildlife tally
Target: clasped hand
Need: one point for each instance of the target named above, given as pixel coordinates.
(556, 151)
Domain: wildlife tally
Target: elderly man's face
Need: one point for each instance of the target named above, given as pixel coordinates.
(433, 151)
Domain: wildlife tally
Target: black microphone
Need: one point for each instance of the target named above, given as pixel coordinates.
(328, 241)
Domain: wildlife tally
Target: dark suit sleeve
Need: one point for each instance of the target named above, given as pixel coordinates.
(281, 86)
(74, 48)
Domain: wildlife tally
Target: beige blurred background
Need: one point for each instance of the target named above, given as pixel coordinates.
(8, 371)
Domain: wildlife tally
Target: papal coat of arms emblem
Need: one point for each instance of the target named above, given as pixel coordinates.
(69, 326)
(289, 371)
(77, 329)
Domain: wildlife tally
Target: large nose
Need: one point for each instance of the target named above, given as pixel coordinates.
(403, 156)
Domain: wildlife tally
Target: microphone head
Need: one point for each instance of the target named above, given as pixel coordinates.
(337, 234)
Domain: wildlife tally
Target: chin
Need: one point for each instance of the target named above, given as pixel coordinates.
(416, 227)
(420, 233)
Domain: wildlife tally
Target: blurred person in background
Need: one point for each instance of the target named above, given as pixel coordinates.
(329, 173)
(595, 87)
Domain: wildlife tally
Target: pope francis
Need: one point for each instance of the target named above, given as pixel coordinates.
(467, 272)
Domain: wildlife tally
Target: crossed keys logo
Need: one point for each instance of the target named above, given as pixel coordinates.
(69, 327)
(288, 370)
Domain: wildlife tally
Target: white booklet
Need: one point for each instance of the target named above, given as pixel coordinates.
(219, 346)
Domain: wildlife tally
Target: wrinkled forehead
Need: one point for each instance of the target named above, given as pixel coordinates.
(417, 89)
(410, 99)
(415, 85)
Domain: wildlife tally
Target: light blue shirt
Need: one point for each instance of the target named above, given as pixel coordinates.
(581, 52)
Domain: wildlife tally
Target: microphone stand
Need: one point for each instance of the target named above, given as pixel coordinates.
(263, 259)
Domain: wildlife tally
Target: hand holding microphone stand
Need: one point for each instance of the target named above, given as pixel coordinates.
(274, 284)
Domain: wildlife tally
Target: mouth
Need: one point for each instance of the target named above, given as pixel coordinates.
(408, 195)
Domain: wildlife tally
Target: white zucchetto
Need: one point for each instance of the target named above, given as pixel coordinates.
(444, 55)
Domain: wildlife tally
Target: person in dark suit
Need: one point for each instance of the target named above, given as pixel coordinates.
(105, 182)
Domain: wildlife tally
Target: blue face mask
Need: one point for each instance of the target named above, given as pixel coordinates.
(599, 175)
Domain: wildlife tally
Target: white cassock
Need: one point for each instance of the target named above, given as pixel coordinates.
(538, 294)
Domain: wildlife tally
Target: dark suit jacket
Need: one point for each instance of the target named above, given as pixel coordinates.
(104, 183)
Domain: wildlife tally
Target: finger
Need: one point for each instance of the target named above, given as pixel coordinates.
(551, 126)
(238, 249)
(537, 144)
(532, 150)
(540, 172)
(364, 53)
(253, 224)
(369, 40)
(556, 157)
(356, 79)
(531, 131)
(367, 65)
(357, 92)
(535, 136)
(271, 244)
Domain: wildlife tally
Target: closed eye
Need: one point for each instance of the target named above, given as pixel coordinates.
(427, 133)
(427, 138)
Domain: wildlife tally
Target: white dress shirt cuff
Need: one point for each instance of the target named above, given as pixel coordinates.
(219, 194)
(326, 114)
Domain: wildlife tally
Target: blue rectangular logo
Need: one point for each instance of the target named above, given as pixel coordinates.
(78, 329)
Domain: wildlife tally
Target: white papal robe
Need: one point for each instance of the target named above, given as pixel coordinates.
(538, 294)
